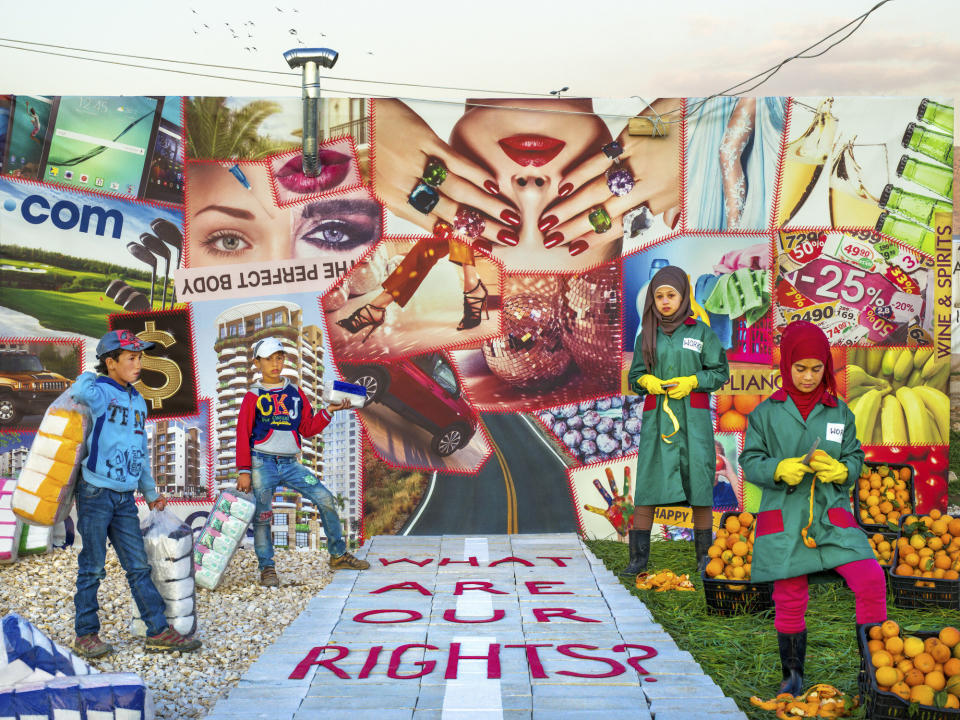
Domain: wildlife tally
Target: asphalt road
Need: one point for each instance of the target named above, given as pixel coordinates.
(521, 488)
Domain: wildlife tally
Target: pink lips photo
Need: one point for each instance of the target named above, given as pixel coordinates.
(536, 150)
(334, 167)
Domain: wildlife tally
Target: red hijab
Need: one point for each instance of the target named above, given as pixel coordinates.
(803, 340)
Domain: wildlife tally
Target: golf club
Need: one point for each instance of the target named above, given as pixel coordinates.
(114, 287)
(124, 294)
(144, 255)
(171, 235)
(158, 248)
(136, 302)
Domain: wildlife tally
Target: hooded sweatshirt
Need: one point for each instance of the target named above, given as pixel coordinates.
(272, 420)
(117, 456)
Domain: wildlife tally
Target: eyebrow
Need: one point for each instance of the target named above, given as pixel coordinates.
(227, 210)
(342, 206)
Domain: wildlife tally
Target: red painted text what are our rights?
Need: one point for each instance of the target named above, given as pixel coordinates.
(332, 654)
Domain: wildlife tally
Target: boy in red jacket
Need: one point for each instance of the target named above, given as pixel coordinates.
(274, 415)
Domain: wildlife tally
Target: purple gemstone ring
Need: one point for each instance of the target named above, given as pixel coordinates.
(469, 222)
(619, 180)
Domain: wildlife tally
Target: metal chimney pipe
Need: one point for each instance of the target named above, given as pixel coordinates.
(310, 60)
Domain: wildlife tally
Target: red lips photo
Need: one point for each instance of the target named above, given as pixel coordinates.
(536, 150)
(337, 168)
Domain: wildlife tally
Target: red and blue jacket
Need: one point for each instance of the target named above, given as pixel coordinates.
(272, 420)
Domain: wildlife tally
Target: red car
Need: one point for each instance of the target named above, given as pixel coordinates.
(424, 389)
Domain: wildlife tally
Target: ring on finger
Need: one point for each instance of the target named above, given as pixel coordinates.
(619, 180)
(599, 219)
(423, 198)
(469, 222)
(435, 172)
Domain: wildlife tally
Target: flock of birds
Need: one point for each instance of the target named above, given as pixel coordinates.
(245, 31)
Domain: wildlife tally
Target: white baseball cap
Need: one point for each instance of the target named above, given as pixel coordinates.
(267, 347)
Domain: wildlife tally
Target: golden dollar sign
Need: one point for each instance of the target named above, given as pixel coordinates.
(166, 367)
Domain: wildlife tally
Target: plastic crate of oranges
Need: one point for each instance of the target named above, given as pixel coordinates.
(926, 562)
(727, 588)
(915, 675)
(885, 494)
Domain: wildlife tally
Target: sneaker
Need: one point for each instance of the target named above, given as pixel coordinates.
(170, 640)
(91, 646)
(348, 561)
(268, 577)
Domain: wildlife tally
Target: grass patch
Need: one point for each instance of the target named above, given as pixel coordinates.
(740, 652)
(84, 313)
(390, 495)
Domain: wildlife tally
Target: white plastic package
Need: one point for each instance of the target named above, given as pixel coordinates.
(221, 535)
(338, 391)
(168, 542)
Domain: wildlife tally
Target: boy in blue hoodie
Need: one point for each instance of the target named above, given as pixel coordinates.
(116, 465)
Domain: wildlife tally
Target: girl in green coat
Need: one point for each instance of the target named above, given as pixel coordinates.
(793, 539)
(677, 361)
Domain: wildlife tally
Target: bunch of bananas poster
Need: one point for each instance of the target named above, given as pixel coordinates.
(481, 270)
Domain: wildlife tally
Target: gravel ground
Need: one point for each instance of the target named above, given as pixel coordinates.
(236, 622)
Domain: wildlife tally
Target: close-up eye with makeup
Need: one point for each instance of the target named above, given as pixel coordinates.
(337, 224)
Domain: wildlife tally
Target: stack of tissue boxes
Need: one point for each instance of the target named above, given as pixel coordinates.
(224, 530)
(41, 680)
(171, 562)
(44, 491)
(10, 525)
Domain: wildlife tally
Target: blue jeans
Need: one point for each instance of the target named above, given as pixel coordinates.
(102, 514)
(270, 471)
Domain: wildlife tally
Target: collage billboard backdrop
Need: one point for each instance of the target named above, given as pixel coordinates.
(480, 266)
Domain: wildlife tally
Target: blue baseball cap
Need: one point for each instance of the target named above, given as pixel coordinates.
(121, 340)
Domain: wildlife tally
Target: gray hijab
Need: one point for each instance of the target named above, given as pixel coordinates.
(652, 319)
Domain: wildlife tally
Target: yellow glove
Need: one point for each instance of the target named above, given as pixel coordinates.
(829, 469)
(684, 386)
(652, 384)
(791, 470)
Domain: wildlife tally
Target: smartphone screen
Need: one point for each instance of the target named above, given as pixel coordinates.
(163, 180)
(28, 123)
(101, 143)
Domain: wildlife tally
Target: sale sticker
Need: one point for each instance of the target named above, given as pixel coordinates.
(905, 306)
(828, 279)
(903, 281)
(877, 328)
(789, 297)
(812, 313)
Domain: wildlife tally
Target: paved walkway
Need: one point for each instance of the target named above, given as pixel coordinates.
(475, 628)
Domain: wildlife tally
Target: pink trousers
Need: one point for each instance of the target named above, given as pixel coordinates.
(864, 577)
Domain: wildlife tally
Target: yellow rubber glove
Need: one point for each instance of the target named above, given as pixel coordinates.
(829, 469)
(791, 470)
(684, 386)
(652, 384)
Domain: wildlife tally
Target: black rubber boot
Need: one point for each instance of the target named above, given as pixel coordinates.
(793, 652)
(702, 540)
(639, 541)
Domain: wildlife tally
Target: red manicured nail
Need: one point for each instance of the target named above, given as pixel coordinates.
(565, 189)
(508, 236)
(547, 222)
(511, 217)
(553, 239)
(578, 246)
(491, 187)
(483, 245)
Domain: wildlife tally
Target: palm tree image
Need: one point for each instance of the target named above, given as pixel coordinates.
(215, 130)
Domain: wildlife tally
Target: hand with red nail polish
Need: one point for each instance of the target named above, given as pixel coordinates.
(404, 145)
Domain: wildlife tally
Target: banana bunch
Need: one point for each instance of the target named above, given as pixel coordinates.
(899, 396)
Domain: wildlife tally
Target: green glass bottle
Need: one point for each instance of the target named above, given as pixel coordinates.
(932, 177)
(933, 144)
(916, 206)
(936, 114)
(907, 232)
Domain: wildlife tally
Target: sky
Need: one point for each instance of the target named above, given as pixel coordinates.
(599, 49)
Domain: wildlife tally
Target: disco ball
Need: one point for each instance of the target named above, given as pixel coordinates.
(590, 322)
(530, 352)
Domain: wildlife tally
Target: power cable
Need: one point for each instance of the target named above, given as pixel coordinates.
(763, 76)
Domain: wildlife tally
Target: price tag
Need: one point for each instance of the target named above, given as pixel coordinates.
(859, 253)
(826, 279)
(789, 297)
(898, 277)
(853, 335)
(905, 306)
(807, 249)
(789, 239)
(916, 335)
(813, 313)
(877, 328)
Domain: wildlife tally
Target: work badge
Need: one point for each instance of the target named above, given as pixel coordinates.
(692, 344)
(835, 432)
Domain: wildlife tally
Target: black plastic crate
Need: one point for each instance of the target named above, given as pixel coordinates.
(872, 528)
(885, 705)
(735, 597)
(910, 592)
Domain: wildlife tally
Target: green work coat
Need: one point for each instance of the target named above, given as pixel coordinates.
(682, 470)
(776, 431)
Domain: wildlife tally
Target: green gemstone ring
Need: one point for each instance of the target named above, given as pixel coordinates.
(434, 173)
(600, 220)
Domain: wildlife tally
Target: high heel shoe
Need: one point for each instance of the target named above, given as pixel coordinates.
(473, 306)
(363, 317)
